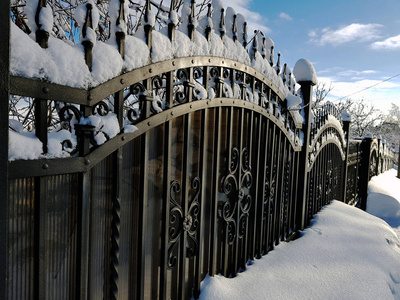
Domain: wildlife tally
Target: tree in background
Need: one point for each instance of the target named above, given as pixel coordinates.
(365, 117)
(389, 127)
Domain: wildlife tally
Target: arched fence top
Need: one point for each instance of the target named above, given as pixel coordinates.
(144, 46)
(47, 167)
(45, 90)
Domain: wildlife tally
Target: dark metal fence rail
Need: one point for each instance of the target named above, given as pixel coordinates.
(200, 187)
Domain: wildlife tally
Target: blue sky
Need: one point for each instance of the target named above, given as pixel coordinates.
(354, 44)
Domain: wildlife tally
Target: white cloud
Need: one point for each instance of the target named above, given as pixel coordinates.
(392, 43)
(381, 96)
(351, 33)
(285, 16)
(255, 21)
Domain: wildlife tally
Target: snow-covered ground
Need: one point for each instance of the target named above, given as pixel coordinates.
(345, 254)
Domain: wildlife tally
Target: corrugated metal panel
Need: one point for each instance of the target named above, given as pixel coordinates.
(100, 230)
(21, 239)
(62, 196)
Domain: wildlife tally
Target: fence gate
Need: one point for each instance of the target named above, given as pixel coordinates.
(183, 162)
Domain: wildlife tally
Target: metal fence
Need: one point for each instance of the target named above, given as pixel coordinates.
(199, 188)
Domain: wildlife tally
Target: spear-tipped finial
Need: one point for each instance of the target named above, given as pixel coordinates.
(222, 28)
(120, 35)
(191, 25)
(42, 36)
(234, 28)
(278, 64)
(146, 12)
(121, 15)
(172, 21)
(245, 34)
(192, 7)
(264, 43)
(271, 57)
(41, 4)
(255, 42)
(284, 73)
(88, 19)
(209, 10)
(208, 28)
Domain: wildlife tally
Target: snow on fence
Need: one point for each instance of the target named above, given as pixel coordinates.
(140, 164)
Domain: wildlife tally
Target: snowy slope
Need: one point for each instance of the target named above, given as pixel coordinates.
(345, 254)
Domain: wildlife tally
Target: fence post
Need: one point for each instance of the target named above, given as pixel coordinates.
(346, 129)
(398, 163)
(4, 96)
(364, 171)
(304, 67)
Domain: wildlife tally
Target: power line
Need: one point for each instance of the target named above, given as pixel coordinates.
(367, 88)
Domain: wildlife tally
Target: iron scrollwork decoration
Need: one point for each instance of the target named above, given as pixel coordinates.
(132, 102)
(236, 186)
(180, 224)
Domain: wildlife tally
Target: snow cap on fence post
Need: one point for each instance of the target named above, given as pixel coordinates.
(305, 75)
(304, 72)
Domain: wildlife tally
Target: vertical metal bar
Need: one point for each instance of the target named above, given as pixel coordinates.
(240, 146)
(346, 129)
(307, 91)
(272, 177)
(227, 268)
(257, 201)
(166, 191)
(252, 216)
(4, 95)
(184, 203)
(41, 122)
(264, 197)
(40, 238)
(143, 200)
(324, 161)
(279, 194)
(115, 224)
(202, 176)
(82, 262)
(215, 190)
